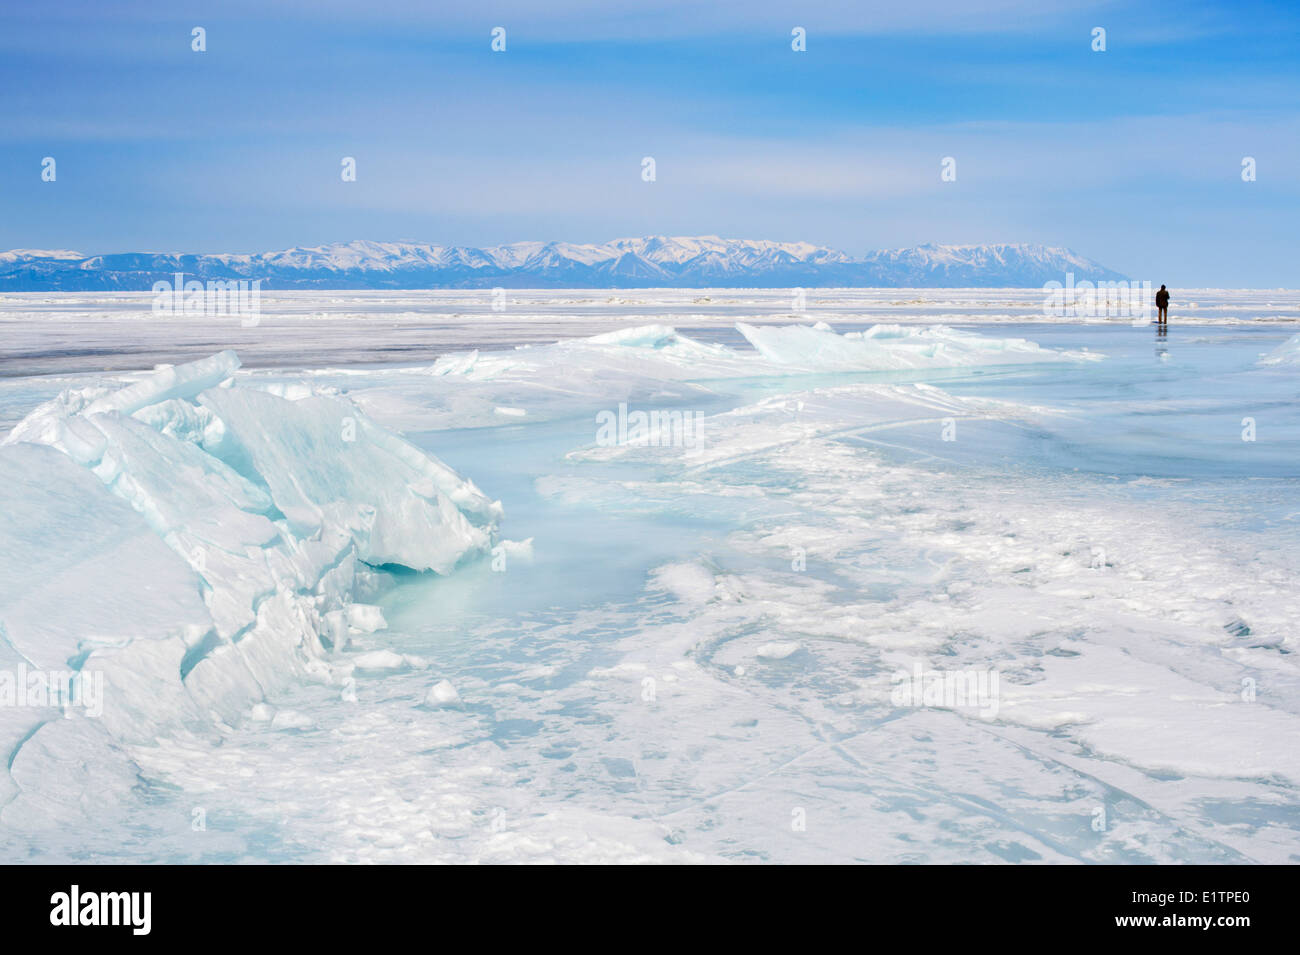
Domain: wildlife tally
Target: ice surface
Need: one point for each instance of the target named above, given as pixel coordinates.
(695, 646)
(62, 333)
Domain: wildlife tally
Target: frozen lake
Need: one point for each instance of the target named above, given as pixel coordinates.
(1001, 590)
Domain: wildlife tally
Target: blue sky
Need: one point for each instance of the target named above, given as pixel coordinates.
(1131, 156)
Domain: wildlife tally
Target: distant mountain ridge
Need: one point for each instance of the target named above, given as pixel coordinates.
(649, 262)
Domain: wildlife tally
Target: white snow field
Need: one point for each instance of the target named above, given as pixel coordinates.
(659, 580)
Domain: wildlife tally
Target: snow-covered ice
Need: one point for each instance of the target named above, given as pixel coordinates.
(923, 593)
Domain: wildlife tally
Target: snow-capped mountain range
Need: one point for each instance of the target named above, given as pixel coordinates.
(650, 262)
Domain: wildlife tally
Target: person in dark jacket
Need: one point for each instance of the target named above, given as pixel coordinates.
(1162, 306)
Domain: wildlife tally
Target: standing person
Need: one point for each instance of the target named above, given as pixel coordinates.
(1162, 306)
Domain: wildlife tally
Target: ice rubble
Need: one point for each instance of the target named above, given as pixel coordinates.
(881, 347)
(657, 363)
(201, 543)
(1287, 353)
(819, 348)
(662, 352)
